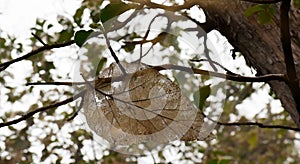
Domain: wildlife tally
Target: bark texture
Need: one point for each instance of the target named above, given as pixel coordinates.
(259, 44)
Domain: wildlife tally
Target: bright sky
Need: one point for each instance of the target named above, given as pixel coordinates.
(18, 16)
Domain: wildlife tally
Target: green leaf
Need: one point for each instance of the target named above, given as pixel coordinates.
(128, 47)
(297, 3)
(254, 9)
(253, 140)
(49, 26)
(40, 22)
(48, 65)
(100, 65)
(167, 40)
(95, 15)
(265, 13)
(81, 36)
(114, 9)
(2, 42)
(78, 16)
(21, 144)
(219, 161)
(95, 25)
(65, 35)
(213, 161)
(271, 10)
(201, 95)
(264, 18)
(224, 161)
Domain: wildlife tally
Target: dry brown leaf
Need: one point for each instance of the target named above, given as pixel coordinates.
(143, 106)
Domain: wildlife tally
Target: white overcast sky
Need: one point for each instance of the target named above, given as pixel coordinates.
(18, 16)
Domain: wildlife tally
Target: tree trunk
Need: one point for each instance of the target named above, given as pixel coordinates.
(259, 44)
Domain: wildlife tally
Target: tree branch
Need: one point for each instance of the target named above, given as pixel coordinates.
(30, 114)
(186, 5)
(263, 1)
(39, 39)
(216, 63)
(208, 26)
(229, 76)
(293, 81)
(190, 3)
(234, 77)
(112, 52)
(55, 83)
(78, 109)
(3, 66)
(261, 125)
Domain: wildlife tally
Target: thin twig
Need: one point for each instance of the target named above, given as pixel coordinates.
(39, 39)
(216, 63)
(119, 25)
(112, 52)
(207, 27)
(3, 66)
(78, 109)
(54, 83)
(30, 114)
(261, 125)
(155, 40)
(206, 53)
(146, 36)
(238, 78)
(107, 80)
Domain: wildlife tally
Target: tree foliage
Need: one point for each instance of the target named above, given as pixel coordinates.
(40, 103)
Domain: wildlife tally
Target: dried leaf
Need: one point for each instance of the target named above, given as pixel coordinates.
(142, 106)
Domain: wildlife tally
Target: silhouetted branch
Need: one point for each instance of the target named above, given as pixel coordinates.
(261, 125)
(39, 39)
(263, 1)
(208, 26)
(112, 52)
(293, 81)
(206, 53)
(229, 76)
(78, 109)
(56, 83)
(216, 63)
(3, 66)
(68, 84)
(190, 3)
(186, 5)
(234, 77)
(30, 114)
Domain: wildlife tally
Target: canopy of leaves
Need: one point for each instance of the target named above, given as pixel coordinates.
(49, 137)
